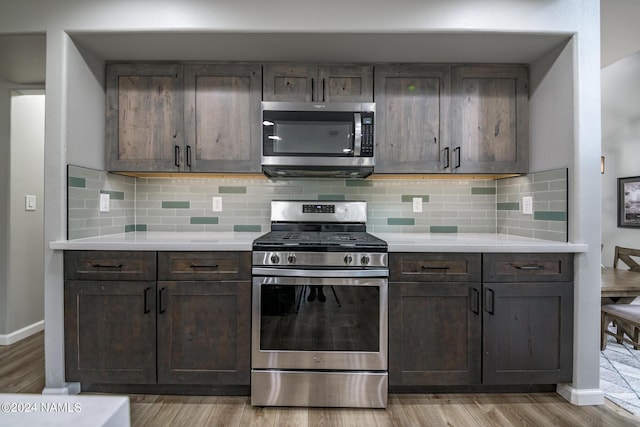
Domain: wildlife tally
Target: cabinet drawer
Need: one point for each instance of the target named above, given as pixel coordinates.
(434, 267)
(204, 265)
(109, 265)
(528, 267)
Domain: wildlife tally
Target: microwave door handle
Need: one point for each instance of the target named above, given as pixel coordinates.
(357, 137)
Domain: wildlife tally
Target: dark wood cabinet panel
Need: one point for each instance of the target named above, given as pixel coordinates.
(204, 265)
(110, 331)
(204, 332)
(144, 117)
(527, 267)
(434, 334)
(490, 119)
(413, 118)
(435, 267)
(317, 82)
(527, 333)
(222, 117)
(109, 265)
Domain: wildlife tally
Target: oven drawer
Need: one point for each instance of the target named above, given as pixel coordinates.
(109, 265)
(204, 265)
(434, 267)
(528, 267)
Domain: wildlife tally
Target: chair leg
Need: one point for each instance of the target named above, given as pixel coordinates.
(603, 327)
(636, 335)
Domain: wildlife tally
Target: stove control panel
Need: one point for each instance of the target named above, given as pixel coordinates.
(320, 259)
(319, 208)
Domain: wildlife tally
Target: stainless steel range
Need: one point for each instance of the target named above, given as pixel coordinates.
(320, 308)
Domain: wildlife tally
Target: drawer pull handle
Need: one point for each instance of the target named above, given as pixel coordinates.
(114, 267)
(213, 266)
(528, 267)
(428, 268)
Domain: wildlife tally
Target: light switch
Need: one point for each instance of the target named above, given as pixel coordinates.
(29, 202)
(104, 202)
(417, 204)
(216, 204)
(527, 205)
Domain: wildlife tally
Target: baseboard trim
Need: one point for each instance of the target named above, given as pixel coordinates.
(581, 397)
(20, 334)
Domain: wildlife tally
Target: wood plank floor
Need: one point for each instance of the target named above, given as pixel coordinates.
(22, 371)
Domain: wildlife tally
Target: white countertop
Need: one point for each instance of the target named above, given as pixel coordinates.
(235, 241)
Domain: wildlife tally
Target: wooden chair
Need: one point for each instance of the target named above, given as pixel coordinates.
(624, 255)
(626, 317)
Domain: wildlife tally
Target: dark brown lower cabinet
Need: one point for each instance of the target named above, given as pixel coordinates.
(435, 333)
(527, 333)
(204, 332)
(110, 331)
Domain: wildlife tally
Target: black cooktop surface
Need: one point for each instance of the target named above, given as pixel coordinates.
(319, 240)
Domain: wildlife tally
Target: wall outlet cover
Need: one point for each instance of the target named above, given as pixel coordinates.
(527, 205)
(216, 204)
(417, 204)
(29, 202)
(104, 202)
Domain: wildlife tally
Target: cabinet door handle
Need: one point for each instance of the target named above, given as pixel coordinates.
(146, 300)
(176, 155)
(188, 155)
(323, 90)
(489, 296)
(528, 267)
(113, 266)
(474, 300)
(429, 268)
(312, 87)
(446, 158)
(161, 307)
(457, 151)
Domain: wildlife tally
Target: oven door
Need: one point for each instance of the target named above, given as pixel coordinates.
(320, 323)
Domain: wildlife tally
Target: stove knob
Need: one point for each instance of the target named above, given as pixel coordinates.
(291, 258)
(348, 259)
(275, 259)
(365, 259)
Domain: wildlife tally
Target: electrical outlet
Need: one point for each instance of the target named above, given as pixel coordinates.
(417, 204)
(527, 205)
(104, 202)
(216, 204)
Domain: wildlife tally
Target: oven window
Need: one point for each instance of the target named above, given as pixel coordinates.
(320, 318)
(313, 137)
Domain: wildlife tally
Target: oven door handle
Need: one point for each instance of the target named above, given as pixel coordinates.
(295, 272)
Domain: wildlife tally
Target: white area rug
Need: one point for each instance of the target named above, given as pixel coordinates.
(620, 374)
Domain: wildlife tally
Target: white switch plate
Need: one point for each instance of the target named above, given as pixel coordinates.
(104, 202)
(216, 204)
(417, 204)
(527, 205)
(29, 202)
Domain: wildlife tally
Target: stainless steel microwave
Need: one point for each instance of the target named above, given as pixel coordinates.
(310, 139)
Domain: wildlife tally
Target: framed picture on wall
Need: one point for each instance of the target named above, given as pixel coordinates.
(629, 202)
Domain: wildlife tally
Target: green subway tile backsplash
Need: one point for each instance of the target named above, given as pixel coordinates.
(443, 229)
(483, 190)
(401, 221)
(231, 190)
(246, 228)
(550, 216)
(508, 206)
(204, 220)
(169, 204)
(77, 182)
(185, 204)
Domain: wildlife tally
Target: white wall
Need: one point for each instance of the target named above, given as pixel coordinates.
(5, 144)
(73, 123)
(620, 146)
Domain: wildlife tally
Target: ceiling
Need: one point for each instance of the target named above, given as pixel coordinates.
(22, 57)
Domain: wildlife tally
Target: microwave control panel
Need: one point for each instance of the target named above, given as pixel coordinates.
(367, 135)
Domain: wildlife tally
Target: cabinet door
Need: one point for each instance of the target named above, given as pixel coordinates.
(345, 83)
(290, 82)
(144, 117)
(204, 332)
(528, 331)
(222, 117)
(413, 118)
(490, 119)
(110, 331)
(434, 333)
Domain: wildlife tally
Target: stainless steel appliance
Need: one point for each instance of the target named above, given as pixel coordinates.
(318, 139)
(319, 308)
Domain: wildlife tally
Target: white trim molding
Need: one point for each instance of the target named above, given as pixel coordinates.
(20, 334)
(581, 397)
